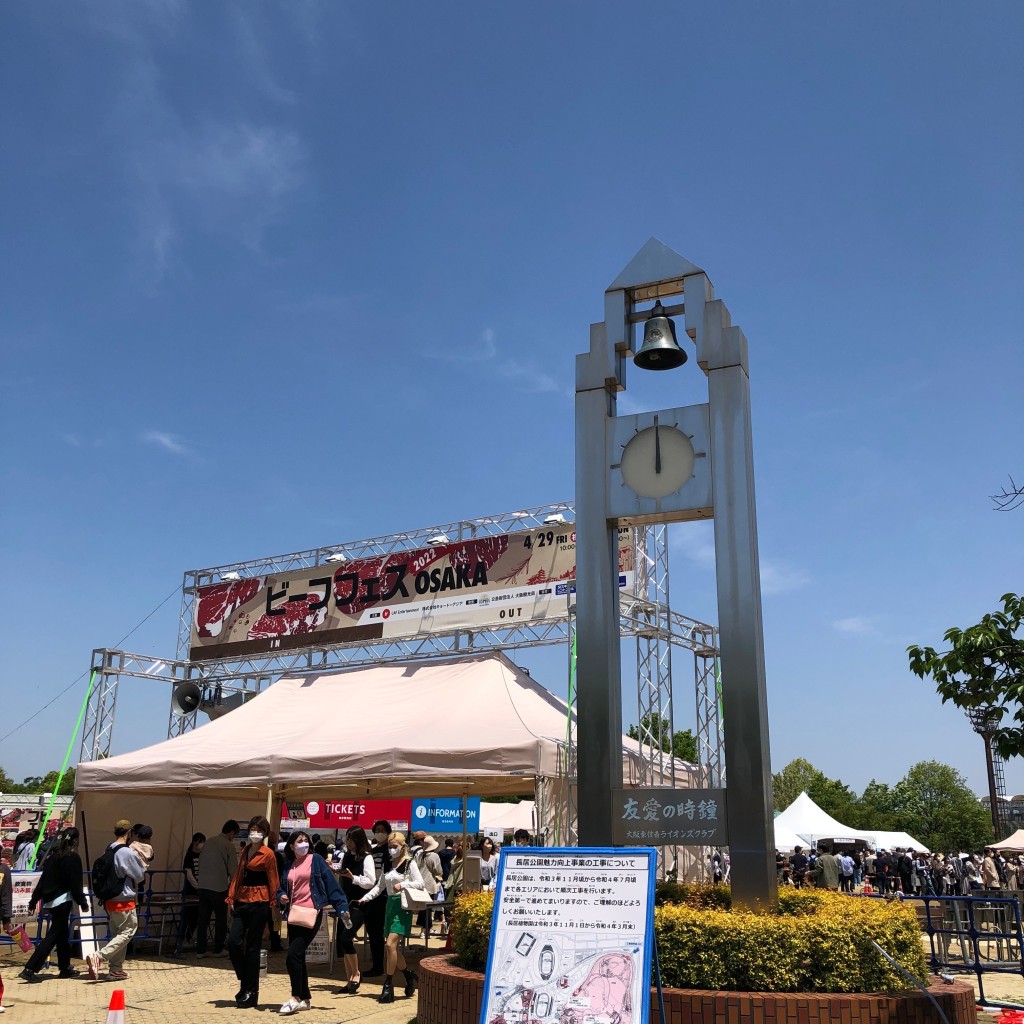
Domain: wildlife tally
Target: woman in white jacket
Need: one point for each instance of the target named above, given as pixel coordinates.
(404, 874)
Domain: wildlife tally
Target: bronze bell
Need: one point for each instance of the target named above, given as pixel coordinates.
(660, 350)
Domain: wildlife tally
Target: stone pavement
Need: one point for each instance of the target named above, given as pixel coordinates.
(164, 991)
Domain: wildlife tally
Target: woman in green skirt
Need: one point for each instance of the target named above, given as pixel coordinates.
(397, 922)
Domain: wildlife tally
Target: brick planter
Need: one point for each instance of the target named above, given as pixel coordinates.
(450, 995)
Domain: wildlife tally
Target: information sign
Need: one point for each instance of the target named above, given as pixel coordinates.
(22, 885)
(445, 815)
(572, 936)
(669, 817)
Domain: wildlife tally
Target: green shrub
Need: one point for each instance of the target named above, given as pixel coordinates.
(814, 941)
(470, 927)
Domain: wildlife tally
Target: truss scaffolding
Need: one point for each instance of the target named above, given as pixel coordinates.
(645, 615)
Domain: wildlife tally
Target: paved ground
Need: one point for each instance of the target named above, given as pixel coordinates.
(187, 991)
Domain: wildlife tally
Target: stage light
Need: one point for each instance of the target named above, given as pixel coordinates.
(554, 518)
(440, 538)
(229, 577)
(336, 556)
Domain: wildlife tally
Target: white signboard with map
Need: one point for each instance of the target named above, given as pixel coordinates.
(572, 937)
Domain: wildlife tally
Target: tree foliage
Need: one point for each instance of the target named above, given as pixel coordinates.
(682, 744)
(34, 784)
(983, 667)
(932, 802)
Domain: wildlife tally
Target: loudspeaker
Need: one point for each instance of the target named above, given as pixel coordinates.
(186, 698)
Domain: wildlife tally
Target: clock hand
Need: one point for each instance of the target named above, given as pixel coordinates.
(657, 447)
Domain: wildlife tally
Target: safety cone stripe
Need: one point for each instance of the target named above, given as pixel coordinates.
(115, 1012)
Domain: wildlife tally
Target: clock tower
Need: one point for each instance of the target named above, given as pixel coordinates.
(665, 466)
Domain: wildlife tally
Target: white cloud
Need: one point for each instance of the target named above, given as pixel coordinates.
(696, 542)
(854, 625)
(77, 441)
(780, 578)
(171, 443)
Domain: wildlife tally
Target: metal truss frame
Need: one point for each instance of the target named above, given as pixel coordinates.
(645, 615)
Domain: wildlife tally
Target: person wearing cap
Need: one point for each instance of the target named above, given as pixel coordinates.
(424, 852)
(122, 919)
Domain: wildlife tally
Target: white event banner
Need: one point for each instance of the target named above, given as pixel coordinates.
(572, 936)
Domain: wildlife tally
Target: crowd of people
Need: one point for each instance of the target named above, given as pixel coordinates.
(911, 872)
(246, 883)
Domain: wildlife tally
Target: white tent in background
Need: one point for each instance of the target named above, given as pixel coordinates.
(509, 816)
(897, 841)
(785, 840)
(1012, 844)
(807, 820)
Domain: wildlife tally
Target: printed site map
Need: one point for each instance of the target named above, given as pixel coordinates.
(570, 938)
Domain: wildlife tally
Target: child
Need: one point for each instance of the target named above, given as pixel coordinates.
(141, 844)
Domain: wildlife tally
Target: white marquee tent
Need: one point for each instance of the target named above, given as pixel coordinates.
(475, 725)
(810, 824)
(509, 816)
(806, 819)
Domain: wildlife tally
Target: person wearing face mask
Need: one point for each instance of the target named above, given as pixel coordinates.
(357, 876)
(397, 921)
(307, 886)
(374, 910)
(253, 886)
(488, 863)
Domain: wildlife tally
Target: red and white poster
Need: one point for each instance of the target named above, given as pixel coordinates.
(342, 814)
(491, 581)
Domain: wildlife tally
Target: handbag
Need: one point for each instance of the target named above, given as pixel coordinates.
(415, 900)
(304, 917)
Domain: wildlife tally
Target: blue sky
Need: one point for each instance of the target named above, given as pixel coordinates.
(285, 274)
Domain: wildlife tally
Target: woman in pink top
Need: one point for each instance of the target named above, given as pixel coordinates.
(307, 886)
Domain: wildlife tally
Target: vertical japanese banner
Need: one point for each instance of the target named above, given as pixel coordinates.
(572, 936)
(22, 885)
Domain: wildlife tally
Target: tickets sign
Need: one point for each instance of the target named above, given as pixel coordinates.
(572, 936)
(485, 582)
(337, 814)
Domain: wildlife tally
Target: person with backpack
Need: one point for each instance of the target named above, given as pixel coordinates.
(59, 888)
(115, 880)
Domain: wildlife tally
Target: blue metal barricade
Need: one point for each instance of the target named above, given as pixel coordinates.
(978, 933)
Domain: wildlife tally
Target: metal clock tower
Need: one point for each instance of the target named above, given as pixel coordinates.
(672, 465)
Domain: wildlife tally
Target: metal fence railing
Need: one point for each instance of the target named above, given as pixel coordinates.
(980, 934)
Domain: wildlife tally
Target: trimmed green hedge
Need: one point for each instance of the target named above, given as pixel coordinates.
(815, 941)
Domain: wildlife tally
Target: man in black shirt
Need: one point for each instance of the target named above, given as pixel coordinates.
(799, 864)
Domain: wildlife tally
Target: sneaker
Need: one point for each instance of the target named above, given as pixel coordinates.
(70, 972)
(223, 953)
(292, 1006)
(30, 976)
(94, 962)
(202, 956)
(117, 975)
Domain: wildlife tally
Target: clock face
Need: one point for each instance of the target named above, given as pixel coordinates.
(657, 461)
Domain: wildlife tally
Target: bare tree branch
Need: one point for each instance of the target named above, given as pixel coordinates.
(1009, 498)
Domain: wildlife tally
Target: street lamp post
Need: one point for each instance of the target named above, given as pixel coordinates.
(673, 465)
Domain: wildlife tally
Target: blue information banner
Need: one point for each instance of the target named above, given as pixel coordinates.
(445, 815)
(572, 936)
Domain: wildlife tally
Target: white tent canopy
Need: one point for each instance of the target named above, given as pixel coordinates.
(509, 816)
(786, 839)
(807, 820)
(1012, 844)
(475, 725)
(897, 841)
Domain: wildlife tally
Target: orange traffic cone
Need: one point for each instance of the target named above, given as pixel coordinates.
(115, 1012)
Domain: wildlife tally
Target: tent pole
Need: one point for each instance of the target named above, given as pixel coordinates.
(465, 801)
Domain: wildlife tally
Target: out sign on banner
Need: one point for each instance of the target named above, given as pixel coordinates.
(669, 817)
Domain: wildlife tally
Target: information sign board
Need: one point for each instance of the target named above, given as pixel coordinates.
(445, 814)
(669, 817)
(572, 936)
(22, 885)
